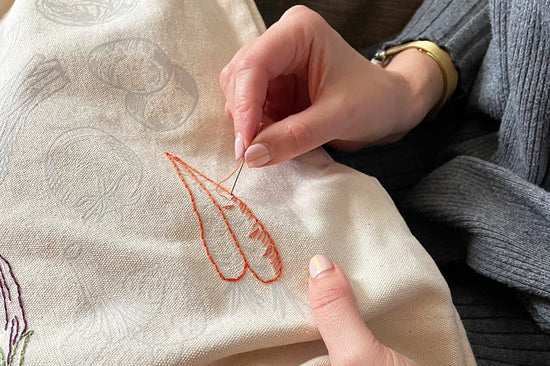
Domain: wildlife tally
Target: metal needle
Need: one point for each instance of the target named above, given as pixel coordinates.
(237, 177)
(260, 125)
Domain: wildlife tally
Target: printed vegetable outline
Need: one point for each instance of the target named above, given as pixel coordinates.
(14, 332)
(108, 172)
(159, 95)
(39, 79)
(85, 12)
(257, 230)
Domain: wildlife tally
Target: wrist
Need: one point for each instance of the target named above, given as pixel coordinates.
(422, 82)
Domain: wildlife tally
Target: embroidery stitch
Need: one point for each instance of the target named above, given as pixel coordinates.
(218, 185)
(159, 95)
(14, 336)
(266, 265)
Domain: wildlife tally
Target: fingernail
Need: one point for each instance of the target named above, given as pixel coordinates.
(256, 155)
(318, 265)
(239, 146)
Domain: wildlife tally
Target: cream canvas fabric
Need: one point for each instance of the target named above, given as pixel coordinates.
(114, 253)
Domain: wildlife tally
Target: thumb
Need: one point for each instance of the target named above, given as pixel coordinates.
(348, 340)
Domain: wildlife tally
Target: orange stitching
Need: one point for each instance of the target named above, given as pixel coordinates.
(173, 159)
(258, 231)
(218, 185)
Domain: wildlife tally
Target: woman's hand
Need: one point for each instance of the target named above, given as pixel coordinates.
(348, 340)
(310, 87)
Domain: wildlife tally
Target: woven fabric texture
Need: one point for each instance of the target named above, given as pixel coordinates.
(113, 253)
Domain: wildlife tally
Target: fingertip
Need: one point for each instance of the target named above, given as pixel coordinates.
(257, 155)
(335, 312)
(239, 146)
(329, 287)
(319, 265)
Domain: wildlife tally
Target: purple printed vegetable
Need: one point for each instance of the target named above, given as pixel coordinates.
(14, 329)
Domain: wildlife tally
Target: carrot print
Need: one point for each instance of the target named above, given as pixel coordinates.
(234, 239)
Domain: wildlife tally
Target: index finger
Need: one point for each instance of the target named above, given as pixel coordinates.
(281, 50)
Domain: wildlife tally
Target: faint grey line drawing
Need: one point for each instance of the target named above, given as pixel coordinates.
(84, 12)
(159, 94)
(105, 321)
(98, 313)
(242, 297)
(8, 37)
(179, 317)
(38, 80)
(106, 324)
(181, 295)
(134, 65)
(168, 108)
(286, 301)
(92, 172)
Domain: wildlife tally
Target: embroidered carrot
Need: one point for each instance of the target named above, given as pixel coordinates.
(234, 239)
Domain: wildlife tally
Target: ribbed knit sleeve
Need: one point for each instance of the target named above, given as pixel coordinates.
(461, 27)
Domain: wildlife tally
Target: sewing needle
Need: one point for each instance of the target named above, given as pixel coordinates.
(260, 125)
(237, 177)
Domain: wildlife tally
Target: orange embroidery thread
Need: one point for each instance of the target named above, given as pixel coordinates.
(258, 232)
(219, 184)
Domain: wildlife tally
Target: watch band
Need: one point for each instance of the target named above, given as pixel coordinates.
(441, 57)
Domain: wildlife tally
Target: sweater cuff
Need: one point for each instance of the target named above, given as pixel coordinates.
(462, 28)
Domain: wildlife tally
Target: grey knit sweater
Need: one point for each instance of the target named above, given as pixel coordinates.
(473, 184)
(494, 187)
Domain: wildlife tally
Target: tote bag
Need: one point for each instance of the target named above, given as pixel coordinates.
(119, 241)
